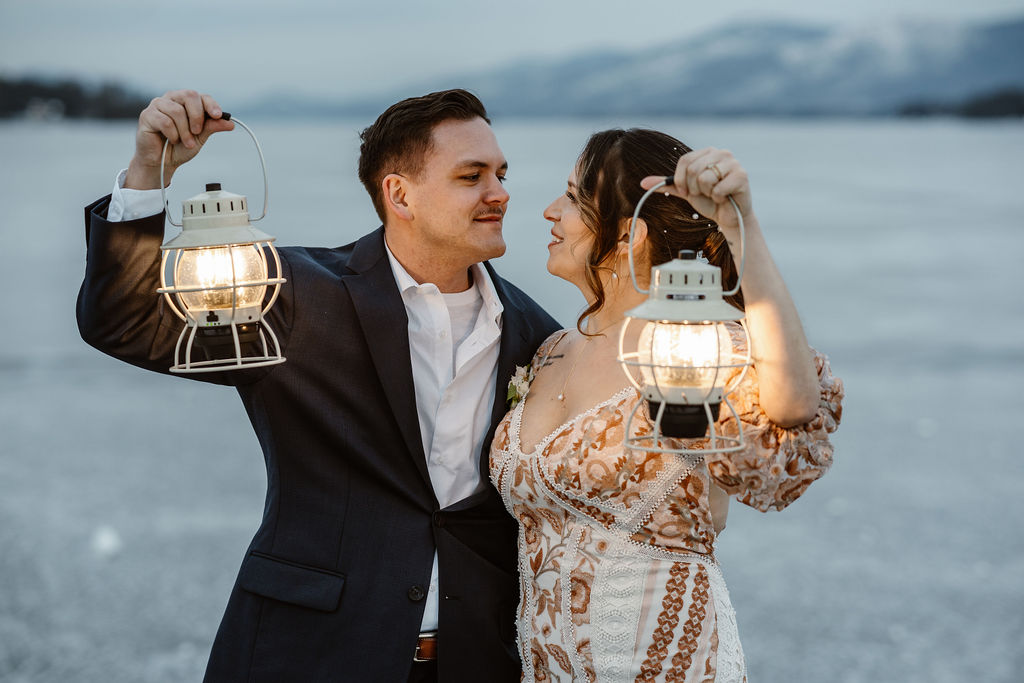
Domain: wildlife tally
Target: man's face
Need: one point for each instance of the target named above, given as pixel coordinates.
(457, 200)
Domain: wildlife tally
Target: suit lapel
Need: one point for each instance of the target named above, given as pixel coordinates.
(381, 312)
(516, 332)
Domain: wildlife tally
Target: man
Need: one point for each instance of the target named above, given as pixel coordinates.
(380, 526)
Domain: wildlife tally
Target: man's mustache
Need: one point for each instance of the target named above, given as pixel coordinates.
(490, 213)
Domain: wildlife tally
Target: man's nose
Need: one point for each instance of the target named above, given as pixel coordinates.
(496, 193)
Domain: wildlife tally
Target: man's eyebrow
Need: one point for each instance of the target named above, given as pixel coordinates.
(480, 164)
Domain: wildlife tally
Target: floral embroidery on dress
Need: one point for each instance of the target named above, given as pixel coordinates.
(618, 580)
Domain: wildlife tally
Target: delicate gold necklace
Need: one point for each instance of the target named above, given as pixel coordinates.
(586, 340)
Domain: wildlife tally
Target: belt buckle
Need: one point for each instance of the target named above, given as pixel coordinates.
(416, 656)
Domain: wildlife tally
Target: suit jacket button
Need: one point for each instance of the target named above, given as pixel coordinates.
(416, 593)
(438, 519)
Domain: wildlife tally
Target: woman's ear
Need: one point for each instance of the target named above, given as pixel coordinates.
(395, 196)
(639, 237)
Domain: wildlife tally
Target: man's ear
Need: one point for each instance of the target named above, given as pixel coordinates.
(395, 196)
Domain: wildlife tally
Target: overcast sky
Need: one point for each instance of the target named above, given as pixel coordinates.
(242, 49)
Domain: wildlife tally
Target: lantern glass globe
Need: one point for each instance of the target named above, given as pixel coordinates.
(226, 276)
(684, 356)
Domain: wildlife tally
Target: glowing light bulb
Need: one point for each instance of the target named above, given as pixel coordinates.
(683, 378)
(222, 273)
(684, 355)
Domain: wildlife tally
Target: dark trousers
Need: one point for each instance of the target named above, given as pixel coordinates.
(423, 672)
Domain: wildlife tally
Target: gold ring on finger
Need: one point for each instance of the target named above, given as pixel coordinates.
(714, 167)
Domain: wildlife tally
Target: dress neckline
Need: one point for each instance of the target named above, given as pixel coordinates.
(517, 422)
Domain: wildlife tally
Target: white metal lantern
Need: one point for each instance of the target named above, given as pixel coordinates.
(684, 355)
(215, 275)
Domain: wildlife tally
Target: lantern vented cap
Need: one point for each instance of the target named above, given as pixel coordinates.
(216, 218)
(684, 254)
(686, 290)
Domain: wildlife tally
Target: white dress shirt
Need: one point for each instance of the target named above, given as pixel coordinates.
(454, 341)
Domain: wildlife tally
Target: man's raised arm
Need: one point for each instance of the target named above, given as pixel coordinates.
(118, 310)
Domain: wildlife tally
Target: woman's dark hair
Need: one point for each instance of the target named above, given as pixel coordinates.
(398, 141)
(609, 171)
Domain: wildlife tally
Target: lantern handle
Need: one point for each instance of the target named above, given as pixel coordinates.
(266, 188)
(669, 180)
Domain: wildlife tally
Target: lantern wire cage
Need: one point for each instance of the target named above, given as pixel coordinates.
(271, 354)
(268, 347)
(655, 441)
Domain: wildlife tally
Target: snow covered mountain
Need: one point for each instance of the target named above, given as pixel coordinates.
(769, 69)
(757, 68)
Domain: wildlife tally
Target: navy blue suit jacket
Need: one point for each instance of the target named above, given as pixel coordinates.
(332, 585)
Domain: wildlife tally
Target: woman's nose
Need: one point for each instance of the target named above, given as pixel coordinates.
(552, 213)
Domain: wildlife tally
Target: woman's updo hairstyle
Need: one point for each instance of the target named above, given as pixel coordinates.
(609, 171)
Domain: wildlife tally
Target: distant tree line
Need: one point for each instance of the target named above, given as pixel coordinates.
(58, 98)
(68, 98)
(1005, 102)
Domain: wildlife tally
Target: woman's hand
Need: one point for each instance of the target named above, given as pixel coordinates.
(706, 178)
(184, 117)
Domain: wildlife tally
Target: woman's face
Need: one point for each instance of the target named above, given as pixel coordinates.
(571, 240)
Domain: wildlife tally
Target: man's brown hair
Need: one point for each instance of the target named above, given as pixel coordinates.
(400, 138)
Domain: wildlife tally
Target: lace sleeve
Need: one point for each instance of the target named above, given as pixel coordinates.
(778, 464)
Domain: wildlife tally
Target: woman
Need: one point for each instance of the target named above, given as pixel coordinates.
(616, 546)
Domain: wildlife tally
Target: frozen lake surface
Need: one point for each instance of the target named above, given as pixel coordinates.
(127, 499)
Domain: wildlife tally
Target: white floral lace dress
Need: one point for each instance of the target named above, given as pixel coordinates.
(618, 580)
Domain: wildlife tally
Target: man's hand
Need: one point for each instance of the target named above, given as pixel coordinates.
(184, 117)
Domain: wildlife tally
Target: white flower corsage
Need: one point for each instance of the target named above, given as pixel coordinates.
(519, 385)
